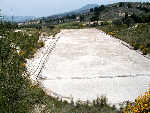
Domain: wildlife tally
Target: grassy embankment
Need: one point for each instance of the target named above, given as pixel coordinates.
(72, 25)
(137, 36)
(17, 93)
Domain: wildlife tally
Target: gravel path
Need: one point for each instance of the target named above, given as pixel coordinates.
(88, 63)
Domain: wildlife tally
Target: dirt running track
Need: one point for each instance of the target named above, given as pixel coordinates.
(88, 63)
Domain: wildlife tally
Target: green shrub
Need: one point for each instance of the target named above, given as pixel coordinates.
(41, 44)
(117, 22)
(148, 45)
(136, 46)
(145, 51)
(141, 47)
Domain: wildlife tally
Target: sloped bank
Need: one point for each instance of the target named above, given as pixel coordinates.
(36, 64)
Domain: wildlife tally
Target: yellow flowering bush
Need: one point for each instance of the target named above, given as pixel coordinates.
(22, 53)
(41, 44)
(23, 65)
(34, 86)
(145, 51)
(114, 34)
(141, 104)
(141, 47)
(111, 33)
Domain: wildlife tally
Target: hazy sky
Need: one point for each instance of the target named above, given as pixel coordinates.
(47, 7)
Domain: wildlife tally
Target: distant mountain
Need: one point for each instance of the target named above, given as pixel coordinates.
(89, 6)
(82, 10)
(19, 18)
(86, 8)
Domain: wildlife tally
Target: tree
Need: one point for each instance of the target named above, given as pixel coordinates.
(73, 16)
(117, 22)
(1, 16)
(81, 18)
(129, 21)
(121, 4)
(129, 5)
(4, 49)
(101, 8)
(96, 11)
(91, 10)
(94, 18)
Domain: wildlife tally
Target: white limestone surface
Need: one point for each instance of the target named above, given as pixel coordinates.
(87, 63)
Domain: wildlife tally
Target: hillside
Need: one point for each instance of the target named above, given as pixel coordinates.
(118, 10)
(84, 9)
(104, 13)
